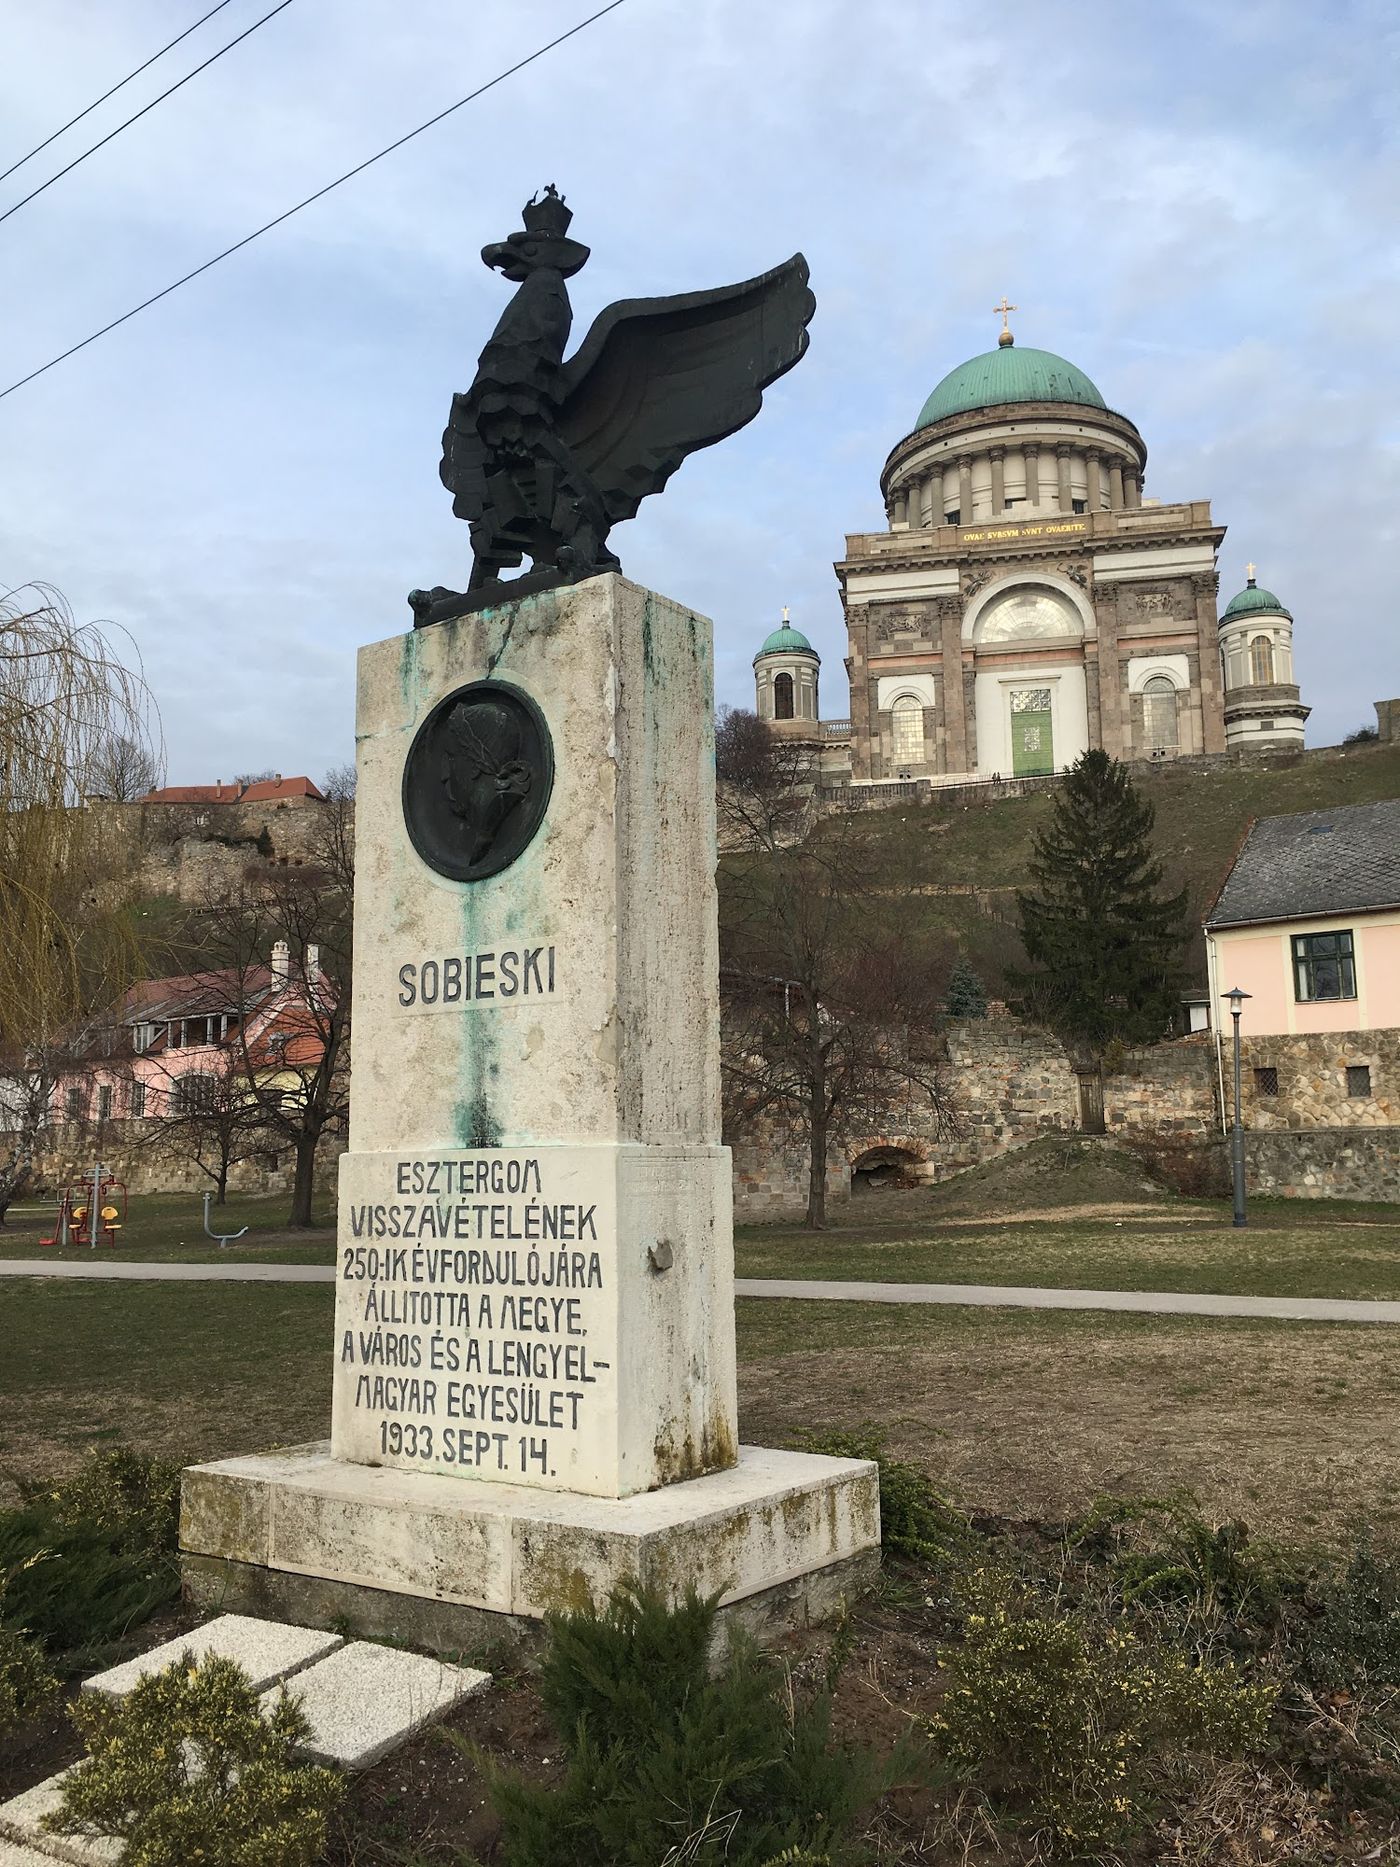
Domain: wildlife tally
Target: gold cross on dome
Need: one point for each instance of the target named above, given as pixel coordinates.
(785, 612)
(1005, 310)
(1249, 571)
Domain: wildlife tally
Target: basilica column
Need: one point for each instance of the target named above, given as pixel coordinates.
(1204, 588)
(998, 481)
(952, 695)
(1115, 485)
(899, 508)
(1095, 481)
(1132, 488)
(1062, 464)
(1032, 453)
(965, 488)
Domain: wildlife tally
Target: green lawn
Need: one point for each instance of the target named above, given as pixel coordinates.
(1291, 1425)
(187, 1371)
(166, 1227)
(1283, 1251)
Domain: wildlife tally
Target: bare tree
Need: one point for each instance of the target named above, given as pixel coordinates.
(339, 783)
(284, 941)
(207, 1114)
(67, 948)
(124, 769)
(765, 782)
(831, 990)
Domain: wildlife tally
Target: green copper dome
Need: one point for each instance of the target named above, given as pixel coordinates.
(1008, 374)
(786, 640)
(1253, 600)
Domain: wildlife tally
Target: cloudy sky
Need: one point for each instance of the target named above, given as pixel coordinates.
(1193, 200)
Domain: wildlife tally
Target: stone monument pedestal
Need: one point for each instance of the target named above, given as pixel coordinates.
(534, 1390)
(785, 1538)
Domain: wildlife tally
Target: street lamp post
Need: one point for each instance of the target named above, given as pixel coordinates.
(1237, 998)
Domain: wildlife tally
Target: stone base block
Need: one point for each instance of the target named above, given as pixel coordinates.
(268, 1652)
(364, 1701)
(783, 1538)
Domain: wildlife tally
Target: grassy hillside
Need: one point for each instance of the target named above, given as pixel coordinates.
(956, 844)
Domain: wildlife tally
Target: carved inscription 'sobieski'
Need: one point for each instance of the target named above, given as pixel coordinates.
(478, 978)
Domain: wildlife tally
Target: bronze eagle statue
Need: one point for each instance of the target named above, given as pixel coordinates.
(544, 457)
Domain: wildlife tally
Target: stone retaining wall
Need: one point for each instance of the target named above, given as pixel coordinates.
(1325, 1163)
(1312, 1085)
(149, 1162)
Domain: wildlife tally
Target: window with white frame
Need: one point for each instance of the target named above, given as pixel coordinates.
(907, 723)
(1159, 717)
(1261, 661)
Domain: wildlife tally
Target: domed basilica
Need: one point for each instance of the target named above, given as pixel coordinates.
(1027, 601)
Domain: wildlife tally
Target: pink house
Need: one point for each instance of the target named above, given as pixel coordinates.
(173, 1039)
(1308, 923)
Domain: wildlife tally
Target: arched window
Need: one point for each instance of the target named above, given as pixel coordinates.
(907, 715)
(1028, 613)
(782, 696)
(1261, 661)
(1159, 713)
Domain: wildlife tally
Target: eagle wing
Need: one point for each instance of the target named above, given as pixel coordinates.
(657, 378)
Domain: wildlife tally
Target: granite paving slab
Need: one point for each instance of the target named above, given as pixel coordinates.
(20, 1819)
(365, 1700)
(16, 1854)
(266, 1650)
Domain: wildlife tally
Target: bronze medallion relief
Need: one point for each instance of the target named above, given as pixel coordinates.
(477, 779)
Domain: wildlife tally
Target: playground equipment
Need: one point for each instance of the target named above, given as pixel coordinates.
(91, 1210)
(222, 1239)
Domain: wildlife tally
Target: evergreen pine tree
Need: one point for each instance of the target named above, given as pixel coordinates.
(1104, 946)
(966, 996)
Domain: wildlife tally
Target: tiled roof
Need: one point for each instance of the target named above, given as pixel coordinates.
(193, 794)
(269, 790)
(1317, 862)
(264, 791)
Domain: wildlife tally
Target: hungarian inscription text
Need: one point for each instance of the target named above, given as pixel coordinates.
(474, 1306)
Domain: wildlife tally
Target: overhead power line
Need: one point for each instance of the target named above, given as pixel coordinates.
(137, 115)
(349, 175)
(88, 109)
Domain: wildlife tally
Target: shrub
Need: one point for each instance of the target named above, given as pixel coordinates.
(1353, 1641)
(95, 1557)
(1072, 1726)
(1162, 1551)
(668, 1759)
(27, 1687)
(916, 1520)
(185, 1768)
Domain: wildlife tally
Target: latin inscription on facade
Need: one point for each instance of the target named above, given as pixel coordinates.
(1002, 533)
(475, 1298)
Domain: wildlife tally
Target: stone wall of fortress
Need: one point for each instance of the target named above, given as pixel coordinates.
(1013, 1083)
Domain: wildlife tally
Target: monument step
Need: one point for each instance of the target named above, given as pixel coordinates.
(268, 1651)
(364, 1700)
(15, 1854)
(21, 1818)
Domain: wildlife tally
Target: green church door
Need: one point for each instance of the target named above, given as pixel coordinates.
(1032, 736)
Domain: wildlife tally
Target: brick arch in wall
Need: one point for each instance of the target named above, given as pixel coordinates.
(898, 1153)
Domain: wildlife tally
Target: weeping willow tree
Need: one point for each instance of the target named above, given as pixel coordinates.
(67, 948)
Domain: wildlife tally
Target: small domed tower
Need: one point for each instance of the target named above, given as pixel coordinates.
(1262, 705)
(785, 672)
